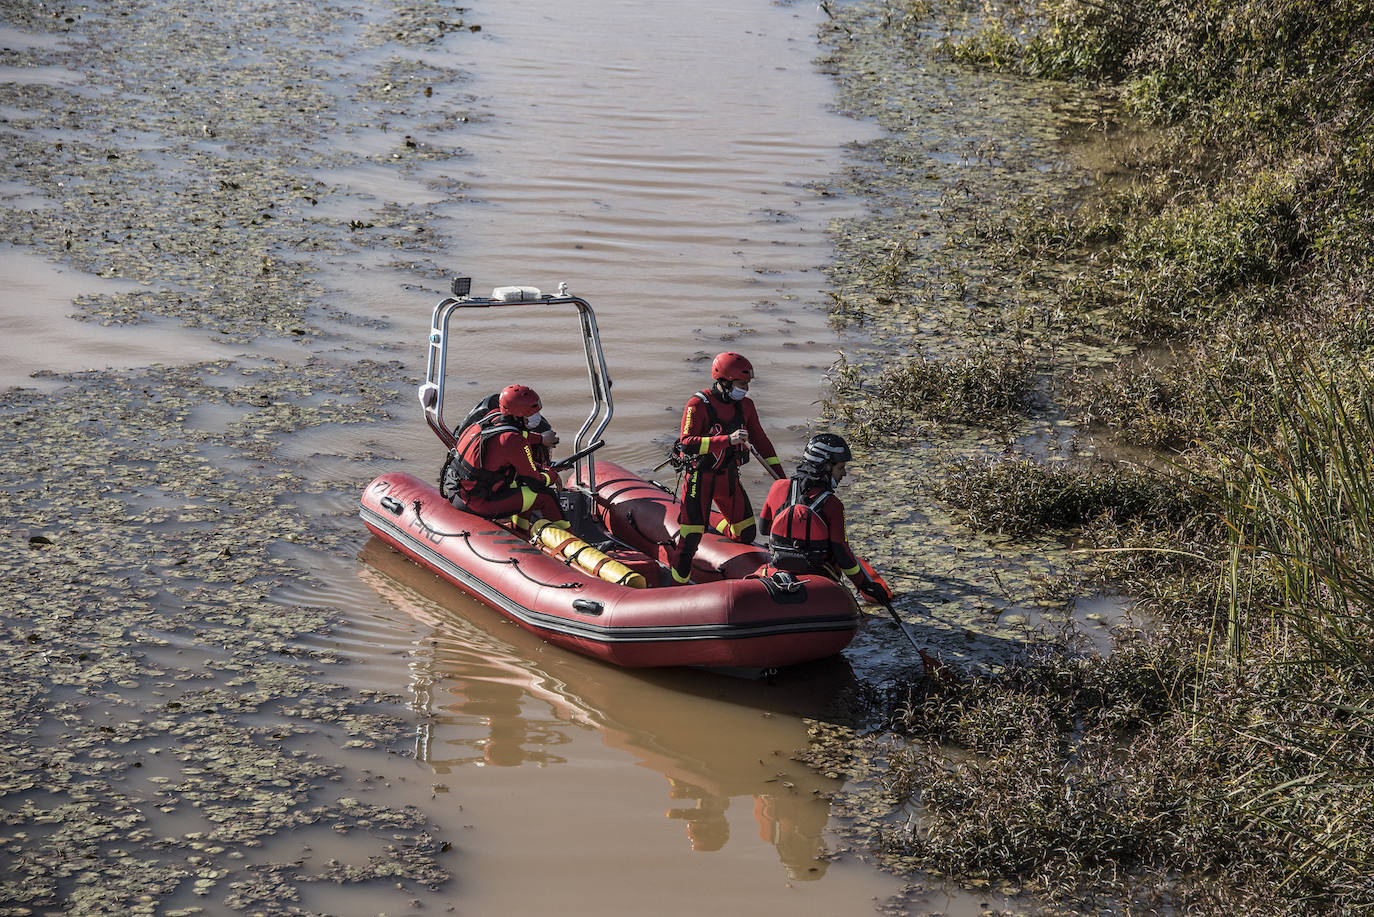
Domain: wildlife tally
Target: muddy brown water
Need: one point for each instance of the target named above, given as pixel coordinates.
(659, 168)
(666, 161)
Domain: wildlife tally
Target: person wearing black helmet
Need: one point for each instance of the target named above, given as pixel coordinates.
(719, 427)
(493, 470)
(804, 519)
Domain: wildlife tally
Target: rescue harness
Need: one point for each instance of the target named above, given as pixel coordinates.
(464, 462)
(681, 460)
(799, 538)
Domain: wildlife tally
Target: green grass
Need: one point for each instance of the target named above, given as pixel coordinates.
(1222, 762)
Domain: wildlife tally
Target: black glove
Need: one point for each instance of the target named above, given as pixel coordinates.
(876, 592)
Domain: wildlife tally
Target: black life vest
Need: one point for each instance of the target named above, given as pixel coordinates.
(731, 457)
(799, 538)
(464, 473)
(450, 474)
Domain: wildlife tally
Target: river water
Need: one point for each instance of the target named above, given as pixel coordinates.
(655, 157)
(672, 163)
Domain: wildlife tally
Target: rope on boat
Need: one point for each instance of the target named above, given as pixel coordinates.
(630, 514)
(630, 518)
(429, 528)
(467, 539)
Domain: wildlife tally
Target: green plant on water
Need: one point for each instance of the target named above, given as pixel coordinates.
(1024, 496)
(891, 272)
(904, 15)
(1210, 389)
(987, 387)
(1192, 265)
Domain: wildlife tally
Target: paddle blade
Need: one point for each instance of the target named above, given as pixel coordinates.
(935, 668)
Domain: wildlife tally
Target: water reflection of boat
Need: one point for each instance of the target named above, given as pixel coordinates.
(738, 613)
(714, 739)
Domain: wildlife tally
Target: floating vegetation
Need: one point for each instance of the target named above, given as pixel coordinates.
(161, 708)
(985, 388)
(228, 239)
(171, 733)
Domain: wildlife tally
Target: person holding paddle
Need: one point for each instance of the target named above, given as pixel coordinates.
(720, 427)
(804, 520)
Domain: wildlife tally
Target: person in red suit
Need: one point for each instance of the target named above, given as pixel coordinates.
(494, 471)
(804, 520)
(719, 425)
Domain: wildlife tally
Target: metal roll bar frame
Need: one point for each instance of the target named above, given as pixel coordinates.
(431, 392)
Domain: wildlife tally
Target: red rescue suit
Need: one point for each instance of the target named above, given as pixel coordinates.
(711, 471)
(805, 529)
(497, 474)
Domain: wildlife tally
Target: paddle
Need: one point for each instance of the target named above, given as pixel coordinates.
(902, 626)
(774, 470)
(565, 462)
(932, 665)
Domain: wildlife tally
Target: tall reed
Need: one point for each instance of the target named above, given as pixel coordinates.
(1300, 507)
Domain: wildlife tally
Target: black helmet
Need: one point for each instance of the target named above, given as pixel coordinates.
(827, 448)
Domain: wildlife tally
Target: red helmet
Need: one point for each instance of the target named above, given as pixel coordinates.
(731, 367)
(519, 401)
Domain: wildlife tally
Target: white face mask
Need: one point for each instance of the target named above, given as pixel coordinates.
(738, 393)
(532, 421)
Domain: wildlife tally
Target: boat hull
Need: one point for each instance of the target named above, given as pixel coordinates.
(735, 621)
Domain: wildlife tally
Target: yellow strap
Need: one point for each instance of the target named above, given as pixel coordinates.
(850, 571)
(691, 529)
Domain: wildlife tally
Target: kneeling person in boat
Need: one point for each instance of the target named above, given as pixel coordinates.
(804, 520)
(495, 466)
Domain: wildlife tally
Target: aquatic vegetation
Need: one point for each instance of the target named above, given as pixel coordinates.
(1170, 400)
(164, 717)
(174, 734)
(985, 388)
(1217, 761)
(1023, 495)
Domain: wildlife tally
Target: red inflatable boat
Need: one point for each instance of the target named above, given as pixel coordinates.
(600, 590)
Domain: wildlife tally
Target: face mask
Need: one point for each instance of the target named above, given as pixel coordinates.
(737, 394)
(532, 421)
